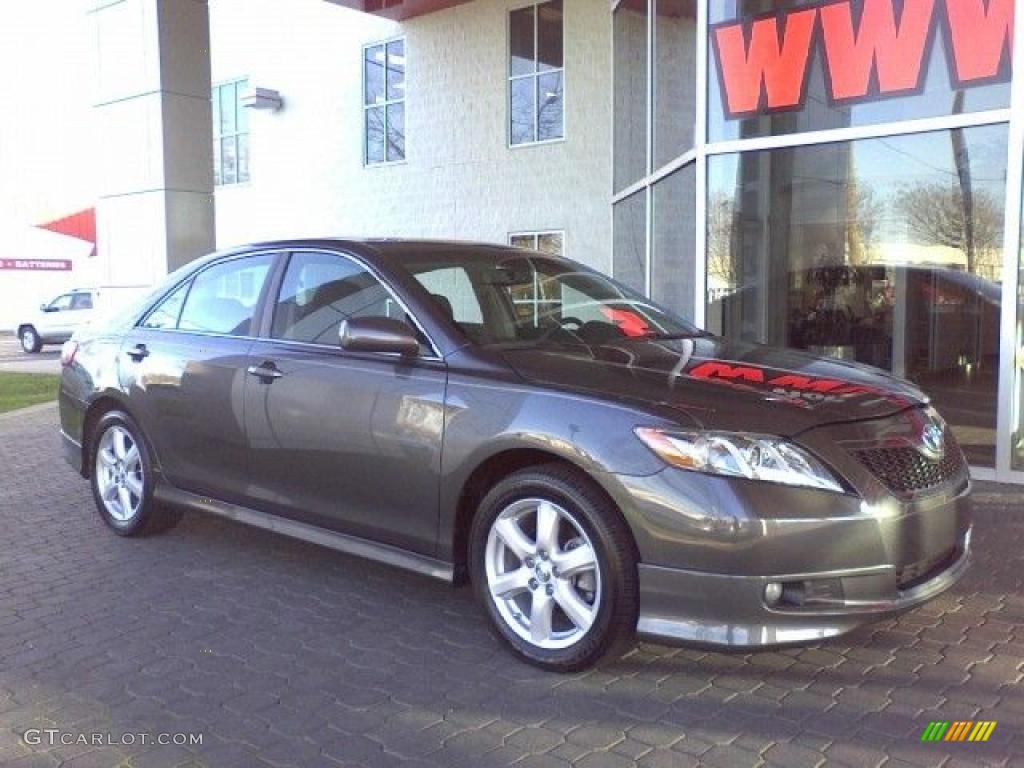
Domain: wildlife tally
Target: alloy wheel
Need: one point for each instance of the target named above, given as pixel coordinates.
(543, 573)
(120, 476)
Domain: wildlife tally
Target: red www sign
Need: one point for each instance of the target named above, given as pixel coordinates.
(869, 49)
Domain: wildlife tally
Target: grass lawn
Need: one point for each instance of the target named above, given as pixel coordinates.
(19, 390)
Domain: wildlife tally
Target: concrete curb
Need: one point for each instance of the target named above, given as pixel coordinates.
(6, 418)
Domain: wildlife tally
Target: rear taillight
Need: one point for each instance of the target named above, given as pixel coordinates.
(68, 352)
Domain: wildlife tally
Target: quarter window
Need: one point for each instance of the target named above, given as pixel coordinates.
(536, 74)
(223, 298)
(320, 291)
(165, 315)
(384, 102)
(230, 134)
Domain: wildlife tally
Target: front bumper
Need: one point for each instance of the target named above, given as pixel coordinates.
(731, 611)
(709, 547)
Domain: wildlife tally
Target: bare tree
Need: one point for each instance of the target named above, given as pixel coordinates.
(722, 222)
(939, 214)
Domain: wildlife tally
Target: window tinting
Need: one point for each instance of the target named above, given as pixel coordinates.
(321, 290)
(223, 298)
(82, 301)
(453, 290)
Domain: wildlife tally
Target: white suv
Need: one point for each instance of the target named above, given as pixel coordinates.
(57, 320)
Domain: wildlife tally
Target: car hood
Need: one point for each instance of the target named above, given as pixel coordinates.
(721, 384)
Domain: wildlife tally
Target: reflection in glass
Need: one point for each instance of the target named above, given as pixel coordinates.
(551, 108)
(884, 251)
(629, 56)
(521, 30)
(522, 113)
(227, 109)
(549, 36)
(675, 83)
(374, 85)
(396, 132)
(375, 151)
(673, 238)
(536, 88)
(243, 158)
(926, 42)
(229, 161)
(396, 70)
(629, 253)
(550, 243)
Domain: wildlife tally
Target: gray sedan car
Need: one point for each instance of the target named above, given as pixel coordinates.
(593, 465)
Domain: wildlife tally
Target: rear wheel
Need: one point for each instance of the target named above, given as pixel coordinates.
(552, 563)
(122, 479)
(30, 341)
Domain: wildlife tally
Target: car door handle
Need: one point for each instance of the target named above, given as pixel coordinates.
(138, 353)
(267, 372)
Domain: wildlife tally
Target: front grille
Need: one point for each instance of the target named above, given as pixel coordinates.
(904, 470)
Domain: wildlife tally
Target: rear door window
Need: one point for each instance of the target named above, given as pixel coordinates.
(224, 297)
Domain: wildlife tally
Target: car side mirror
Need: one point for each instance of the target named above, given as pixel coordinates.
(44, 307)
(378, 334)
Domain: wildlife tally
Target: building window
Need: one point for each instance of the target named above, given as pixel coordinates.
(536, 74)
(384, 102)
(537, 300)
(551, 243)
(885, 251)
(230, 134)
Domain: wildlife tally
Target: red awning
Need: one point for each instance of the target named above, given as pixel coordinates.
(81, 225)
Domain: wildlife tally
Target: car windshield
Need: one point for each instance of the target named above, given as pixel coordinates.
(533, 299)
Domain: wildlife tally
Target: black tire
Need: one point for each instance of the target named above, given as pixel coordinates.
(613, 629)
(149, 518)
(30, 341)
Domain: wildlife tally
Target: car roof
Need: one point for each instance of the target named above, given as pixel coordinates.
(384, 248)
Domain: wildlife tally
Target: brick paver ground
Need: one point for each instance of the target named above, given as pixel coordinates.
(282, 653)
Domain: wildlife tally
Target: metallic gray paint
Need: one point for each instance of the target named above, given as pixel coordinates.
(412, 431)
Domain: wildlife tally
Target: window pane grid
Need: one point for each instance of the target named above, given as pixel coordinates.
(384, 103)
(230, 134)
(547, 242)
(536, 75)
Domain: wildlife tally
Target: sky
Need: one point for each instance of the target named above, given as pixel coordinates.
(47, 155)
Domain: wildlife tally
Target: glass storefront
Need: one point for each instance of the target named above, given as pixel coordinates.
(882, 251)
(830, 176)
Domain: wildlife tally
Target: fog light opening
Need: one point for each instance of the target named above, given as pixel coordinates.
(772, 593)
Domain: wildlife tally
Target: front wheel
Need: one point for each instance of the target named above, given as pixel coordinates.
(553, 564)
(30, 341)
(122, 479)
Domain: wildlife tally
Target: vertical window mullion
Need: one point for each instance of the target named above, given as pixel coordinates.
(536, 76)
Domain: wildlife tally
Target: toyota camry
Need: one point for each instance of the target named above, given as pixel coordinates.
(594, 466)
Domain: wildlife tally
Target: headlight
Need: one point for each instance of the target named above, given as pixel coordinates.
(755, 457)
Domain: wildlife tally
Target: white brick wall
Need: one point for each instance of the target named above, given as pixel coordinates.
(461, 180)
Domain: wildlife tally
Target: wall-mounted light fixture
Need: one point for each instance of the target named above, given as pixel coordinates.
(262, 98)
